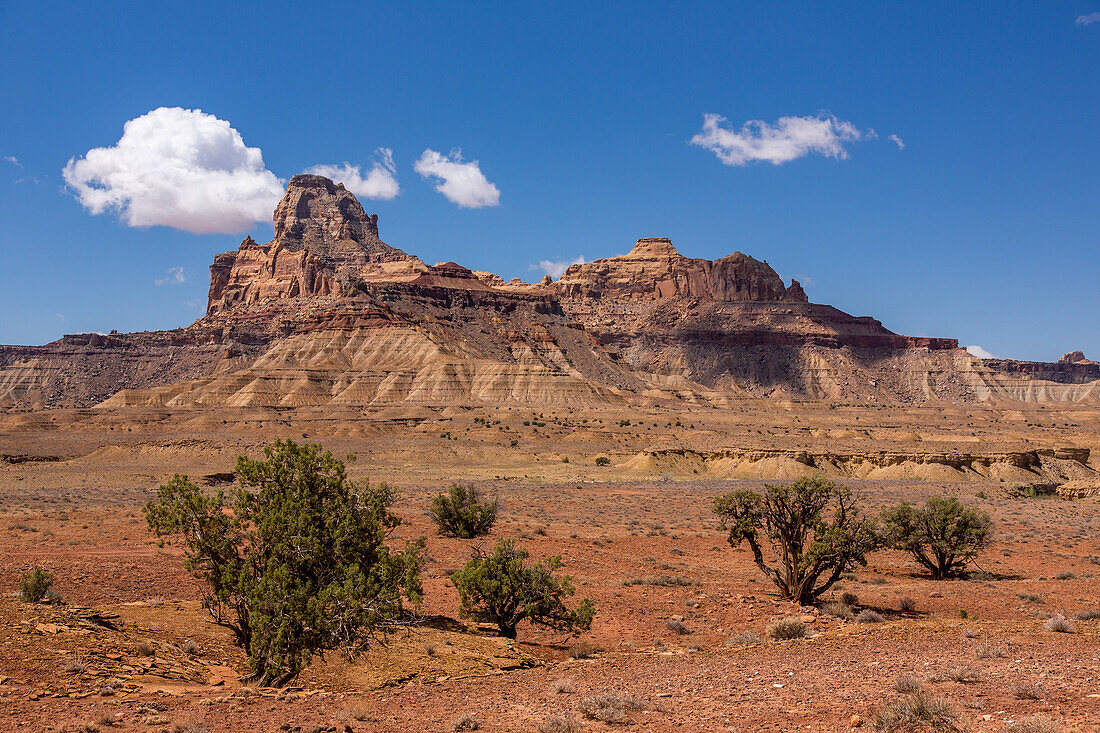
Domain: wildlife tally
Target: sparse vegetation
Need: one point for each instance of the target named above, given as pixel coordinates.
(958, 673)
(465, 722)
(867, 616)
(1058, 624)
(462, 513)
(677, 625)
(907, 684)
(1034, 724)
(295, 561)
(609, 707)
(583, 650)
(838, 610)
(907, 605)
(502, 588)
(782, 629)
(943, 536)
(603, 461)
(917, 712)
(35, 584)
(561, 724)
(813, 525)
(1025, 691)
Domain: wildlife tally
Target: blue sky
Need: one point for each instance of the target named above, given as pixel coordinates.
(984, 227)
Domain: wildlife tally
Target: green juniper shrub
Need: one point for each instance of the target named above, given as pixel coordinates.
(502, 588)
(814, 527)
(294, 559)
(35, 584)
(462, 513)
(943, 536)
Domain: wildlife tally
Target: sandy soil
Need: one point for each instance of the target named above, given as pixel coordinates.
(131, 649)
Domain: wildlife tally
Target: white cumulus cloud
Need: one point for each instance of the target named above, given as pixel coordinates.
(1088, 19)
(174, 276)
(380, 182)
(181, 168)
(897, 141)
(789, 138)
(462, 183)
(13, 160)
(555, 268)
(978, 351)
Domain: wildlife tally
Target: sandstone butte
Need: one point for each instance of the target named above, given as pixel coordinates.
(328, 314)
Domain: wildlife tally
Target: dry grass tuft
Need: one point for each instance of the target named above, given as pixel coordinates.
(915, 713)
(790, 627)
(1034, 724)
(1058, 624)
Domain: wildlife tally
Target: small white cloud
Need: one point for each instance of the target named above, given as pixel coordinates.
(60, 316)
(174, 276)
(979, 352)
(1088, 19)
(555, 268)
(897, 141)
(180, 168)
(379, 183)
(789, 138)
(462, 183)
(13, 160)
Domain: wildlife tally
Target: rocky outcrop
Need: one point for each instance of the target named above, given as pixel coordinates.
(324, 244)
(1075, 357)
(325, 218)
(1049, 465)
(654, 270)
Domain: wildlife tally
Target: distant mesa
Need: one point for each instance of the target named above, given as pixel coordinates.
(327, 314)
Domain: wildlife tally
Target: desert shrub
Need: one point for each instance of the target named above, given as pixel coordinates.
(502, 588)
(867, 616)
(917, 712)
(987, 651)
(745, 637)
(609, 707)
(562, 686)
(1030, 597)
(960, 673)
(1033, 724)
(1025, 691)
(1091, 615)
(583, 650)
(849, 598)
(675, 624)
(1065, 575)
(907, 684)
(1058, 624)
(790, 627)
(943, 536)
(461, 513)
(603, 461)
(813, 526)
(907, 605)
(561, 724)
(295, 560)
(465, 722)
(35, 584)
(666, 581)
(838, 610)
(145, 649)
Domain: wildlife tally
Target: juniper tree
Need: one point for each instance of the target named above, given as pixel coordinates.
(812, 528)
(294, 557)
(943, 536)
(501, 588)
